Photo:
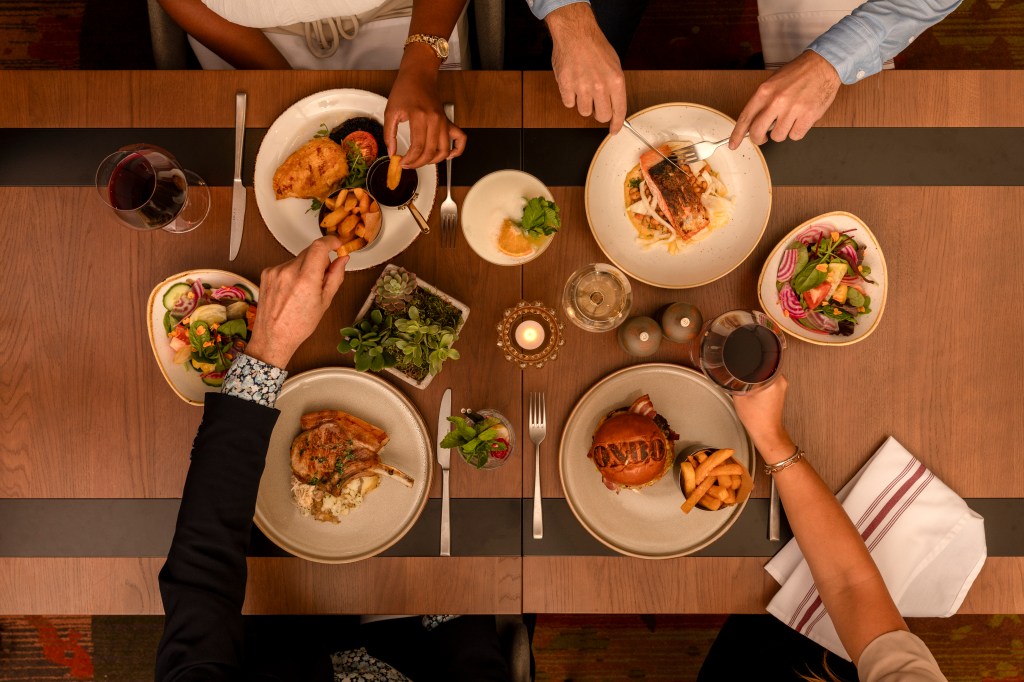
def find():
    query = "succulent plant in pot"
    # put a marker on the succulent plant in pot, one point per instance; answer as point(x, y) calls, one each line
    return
point(370, 340)
point(395, 290)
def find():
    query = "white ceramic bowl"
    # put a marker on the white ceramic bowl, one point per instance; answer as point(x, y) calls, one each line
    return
point(495, 197)
point(873, 257)
point(743, 171)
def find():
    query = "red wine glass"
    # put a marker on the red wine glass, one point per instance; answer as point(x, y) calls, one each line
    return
point(148, 190)
point(741, 351)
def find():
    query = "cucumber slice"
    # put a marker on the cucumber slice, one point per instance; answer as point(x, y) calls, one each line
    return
point(213, 378)
point(172, 295)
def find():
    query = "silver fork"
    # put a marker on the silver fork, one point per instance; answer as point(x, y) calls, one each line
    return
point(692, 153)
point(449, 211)
point(538, 430)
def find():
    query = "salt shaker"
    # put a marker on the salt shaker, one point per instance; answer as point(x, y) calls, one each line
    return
point(640, 336)
point(681, 322)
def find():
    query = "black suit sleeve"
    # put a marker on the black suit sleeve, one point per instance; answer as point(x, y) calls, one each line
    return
point(203, 581)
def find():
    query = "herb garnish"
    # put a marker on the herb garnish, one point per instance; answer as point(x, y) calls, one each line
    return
point(323, 132)
point(356, 167)
point(540, 218)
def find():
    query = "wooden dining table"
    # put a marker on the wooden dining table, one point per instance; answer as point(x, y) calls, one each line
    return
point(94, 445)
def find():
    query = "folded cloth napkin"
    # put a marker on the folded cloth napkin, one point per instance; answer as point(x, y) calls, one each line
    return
point(787, 27)
point(928, 544)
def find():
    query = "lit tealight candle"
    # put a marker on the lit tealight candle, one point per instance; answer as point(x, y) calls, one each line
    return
point(530, 335)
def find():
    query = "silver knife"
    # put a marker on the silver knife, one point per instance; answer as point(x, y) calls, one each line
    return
point(774, 515)
point(237, 189)
point(444, 458)
point(643, 139)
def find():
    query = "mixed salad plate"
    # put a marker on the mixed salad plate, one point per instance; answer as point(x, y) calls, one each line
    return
point(199, 322)
point(825, 282)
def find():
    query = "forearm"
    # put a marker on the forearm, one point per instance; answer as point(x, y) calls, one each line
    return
point(240, 46)
point(203, 581)
point(847, 579)
point(573, 22)
point(877, 31)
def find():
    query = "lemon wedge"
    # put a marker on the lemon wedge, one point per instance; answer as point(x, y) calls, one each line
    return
point(512, 241)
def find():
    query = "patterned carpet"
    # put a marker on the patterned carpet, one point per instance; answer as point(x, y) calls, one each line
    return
point(567, 648)
point(674, 34)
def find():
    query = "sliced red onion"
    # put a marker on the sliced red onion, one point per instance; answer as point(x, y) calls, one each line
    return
point(790, 302)
point(228, 294)
point(184, 306)
point(787, 266)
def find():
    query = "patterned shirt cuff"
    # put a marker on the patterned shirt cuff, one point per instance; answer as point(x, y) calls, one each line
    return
point(254, 380)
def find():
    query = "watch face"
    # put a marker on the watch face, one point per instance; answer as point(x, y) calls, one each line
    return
point(442, 47)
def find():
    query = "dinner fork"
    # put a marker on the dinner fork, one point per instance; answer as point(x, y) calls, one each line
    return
point(449, 211)
point(692, 153)
point(538, 430)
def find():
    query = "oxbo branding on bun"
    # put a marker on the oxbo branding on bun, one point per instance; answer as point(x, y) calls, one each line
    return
point(633, 447)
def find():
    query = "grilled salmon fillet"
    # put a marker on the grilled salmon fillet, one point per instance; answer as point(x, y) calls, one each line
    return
point(312, 171)
point(677, 193)
point(336, 447)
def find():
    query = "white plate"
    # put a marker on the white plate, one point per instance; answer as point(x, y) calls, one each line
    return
point(873, 258)
point(493, 198)
point(184, 382)
point(649, 524)
point(743, 171)
point(387, 513)
point(288, 219)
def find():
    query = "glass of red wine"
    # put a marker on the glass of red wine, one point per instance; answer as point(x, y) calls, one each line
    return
point(148, 190)
point(741, 351)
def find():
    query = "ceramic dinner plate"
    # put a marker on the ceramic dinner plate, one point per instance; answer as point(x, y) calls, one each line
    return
point(387, 513)
point(649, 524)
point(743, 171)
point(495, 197)
point(289, 219)
point(186, 384)
point(873, 257)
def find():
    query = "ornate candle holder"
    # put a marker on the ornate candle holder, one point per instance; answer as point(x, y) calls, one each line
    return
point(530, 335)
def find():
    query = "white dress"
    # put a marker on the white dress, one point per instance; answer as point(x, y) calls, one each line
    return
point(329, 34)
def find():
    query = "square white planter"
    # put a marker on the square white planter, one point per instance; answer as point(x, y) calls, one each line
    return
point(432, 289)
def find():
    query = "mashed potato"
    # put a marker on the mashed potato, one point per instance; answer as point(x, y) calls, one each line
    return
point(323, 506)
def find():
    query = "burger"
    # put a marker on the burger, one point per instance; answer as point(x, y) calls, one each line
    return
point(633, 447)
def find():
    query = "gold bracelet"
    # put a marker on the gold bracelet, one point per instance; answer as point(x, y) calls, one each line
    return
point(772, 469)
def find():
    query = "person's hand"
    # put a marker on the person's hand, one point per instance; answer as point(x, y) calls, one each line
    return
point(761, 414)
point(586, 67)
point(794, 98)
point(293, 297)
point(414, 99)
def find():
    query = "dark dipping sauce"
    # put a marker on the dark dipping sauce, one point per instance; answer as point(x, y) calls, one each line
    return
point(377, 184)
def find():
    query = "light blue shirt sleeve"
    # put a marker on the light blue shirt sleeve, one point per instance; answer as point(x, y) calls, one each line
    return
point(877, 31)
point(542, 8)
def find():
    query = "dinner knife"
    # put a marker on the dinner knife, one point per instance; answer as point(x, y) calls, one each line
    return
point(444, 458)
point(630, 128)
point(773, 514)
point(237, 189)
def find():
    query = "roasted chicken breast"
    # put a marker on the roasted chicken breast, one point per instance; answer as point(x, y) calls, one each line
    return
point(312, 171)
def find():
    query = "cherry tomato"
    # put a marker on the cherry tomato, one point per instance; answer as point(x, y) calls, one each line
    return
point(367, 145)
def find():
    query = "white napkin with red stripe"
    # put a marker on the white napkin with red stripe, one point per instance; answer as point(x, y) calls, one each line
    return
point(928, 544)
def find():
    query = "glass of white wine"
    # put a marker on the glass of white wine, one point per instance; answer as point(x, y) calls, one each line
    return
point(597, 297)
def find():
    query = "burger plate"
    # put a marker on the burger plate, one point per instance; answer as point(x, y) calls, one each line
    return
point(648, 523)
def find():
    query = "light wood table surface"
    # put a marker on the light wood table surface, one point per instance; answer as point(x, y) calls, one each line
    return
point(86, 413)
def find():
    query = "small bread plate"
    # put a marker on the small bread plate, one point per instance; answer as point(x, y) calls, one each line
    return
point(387, 513)
point(735, 204)
point(649, 523)
point(186, 383)
point(495, 198)
point(842, 300)
point(290, 220)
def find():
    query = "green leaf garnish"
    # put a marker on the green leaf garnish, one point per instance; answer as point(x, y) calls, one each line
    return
point(540, 218)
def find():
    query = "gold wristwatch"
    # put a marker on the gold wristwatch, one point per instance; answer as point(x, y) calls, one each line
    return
point(436, 43)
